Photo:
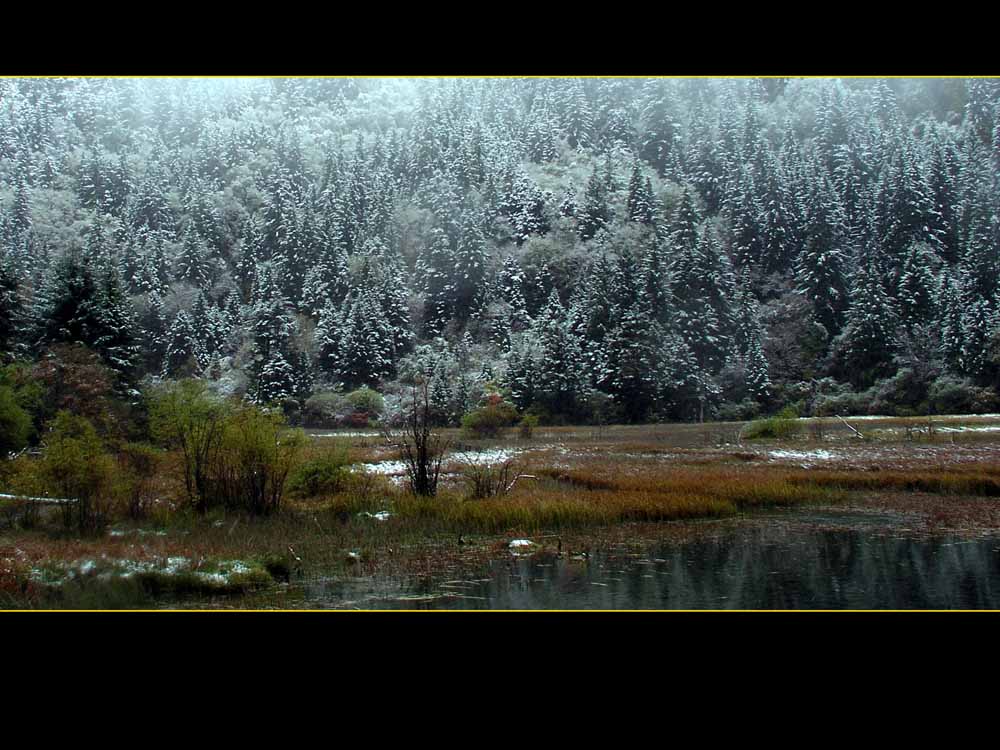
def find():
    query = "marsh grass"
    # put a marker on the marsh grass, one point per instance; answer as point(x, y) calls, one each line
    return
point(980, 482)
point(580, 497)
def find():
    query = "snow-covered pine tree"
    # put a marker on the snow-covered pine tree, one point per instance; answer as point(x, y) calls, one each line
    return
point(864, 350)
point(469, 269)
point(184, 356)
point(192, 264)
point(631, 363)
point(640, 203)
point(510, 284)
point(820, 266)
point(561, 379)
point(522, 364)
point(979, 324)
point(277, 381)
point(951, 307)
point(915, 291)
point(435, 267)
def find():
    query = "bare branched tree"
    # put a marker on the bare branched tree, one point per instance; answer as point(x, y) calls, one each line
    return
point(421, 449)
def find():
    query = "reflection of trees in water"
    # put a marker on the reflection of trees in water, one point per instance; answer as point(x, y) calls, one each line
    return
point(769, 568)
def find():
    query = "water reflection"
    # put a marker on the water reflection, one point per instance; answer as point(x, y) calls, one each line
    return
point(742, 567)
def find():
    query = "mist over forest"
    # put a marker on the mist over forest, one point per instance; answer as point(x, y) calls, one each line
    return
point(587, 250)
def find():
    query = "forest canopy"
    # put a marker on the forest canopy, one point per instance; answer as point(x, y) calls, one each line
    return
point(594, 250)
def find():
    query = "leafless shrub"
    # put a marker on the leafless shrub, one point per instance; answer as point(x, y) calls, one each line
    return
point(421, 449)
point(488, 478)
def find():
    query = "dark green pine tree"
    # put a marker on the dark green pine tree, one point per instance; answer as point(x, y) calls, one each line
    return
point(655, 282)
point(206, 325)
point(982, 96)
point(362, 349)
point(12, 310)
point(942, 180)
point(777, 221)
point(745, 309)
point(755, 368)
point(523, 363)
point(683, 230)
point(595, 308)
point(67, 309)
point(391, 295)
point(594, 214)
point(832, 123)
point(744, 213)
point(435, 267)
point(117, 343)
point(631, 362)
point(577, 115)
point(511, 289)
point(916, 288)
point(640, 204)
point(328, 279)
point(469, 269)
point(951, 311)
point(703, 286)
point(152, 327)
point(980, 262)
point(271, 324)
point(979, 323)
point(328, 336)
point(908, 207)
point(21, 215)
point(659, 131)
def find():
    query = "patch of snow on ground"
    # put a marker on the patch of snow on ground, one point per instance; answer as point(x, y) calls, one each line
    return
point(521, 543)
point(86, 566)
point(483, 457)
point(383, 467)
point(821, 454)
point(382, 515)
point(345, 434)
point(987, 428)
point(398, 468)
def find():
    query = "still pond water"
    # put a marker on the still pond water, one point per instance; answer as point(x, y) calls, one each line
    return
point(811, 563)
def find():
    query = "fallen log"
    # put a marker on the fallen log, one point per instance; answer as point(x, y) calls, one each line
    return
point(519, 476)
point(856, 432)
point(43, 500)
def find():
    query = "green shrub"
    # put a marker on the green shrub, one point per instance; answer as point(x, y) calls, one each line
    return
point(366, 401)
point(952, 395)
point(15, 423)
point(782, 425)
point(137, 463)
point(74, 466)
point(325, 409)
point(738, 412)
point(489, 421)
point(249, 469)
point(235, 456)
point(325, 475)
point(185, 416)
point(898, 395)
point(527, 425)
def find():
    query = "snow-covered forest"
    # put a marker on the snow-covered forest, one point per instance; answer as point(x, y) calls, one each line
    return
point(591, 250)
